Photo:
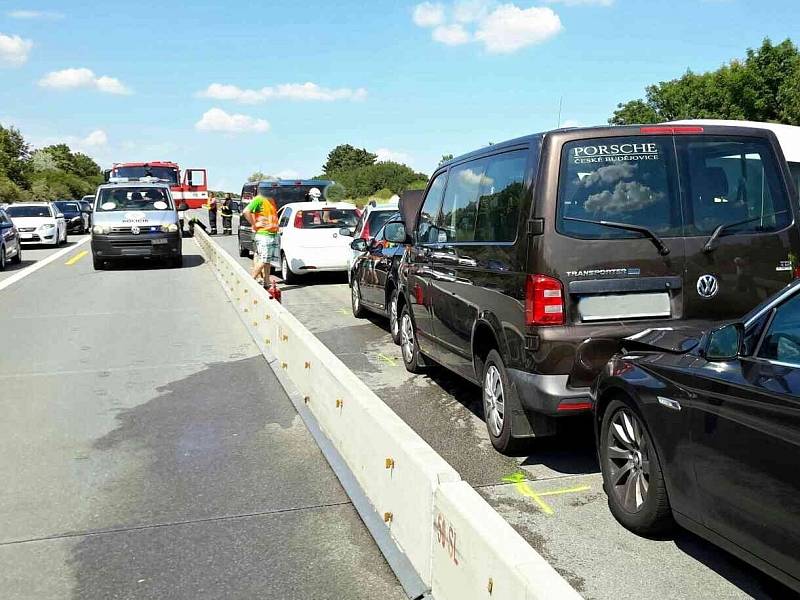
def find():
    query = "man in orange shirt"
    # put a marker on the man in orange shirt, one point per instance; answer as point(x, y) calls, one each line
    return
point(263, 218)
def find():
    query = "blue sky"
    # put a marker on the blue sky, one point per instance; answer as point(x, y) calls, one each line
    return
point(135, 81)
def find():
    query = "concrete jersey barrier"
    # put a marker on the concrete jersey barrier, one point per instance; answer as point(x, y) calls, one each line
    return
point(459, 546)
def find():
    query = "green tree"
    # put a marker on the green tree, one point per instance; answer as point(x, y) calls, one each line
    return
point(15, 156)
point(345, 157)
point(367, 180)
point(260, 176)
point(764, 86)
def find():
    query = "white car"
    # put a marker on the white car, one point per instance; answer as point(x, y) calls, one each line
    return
point(38, 223)
point(310, 237)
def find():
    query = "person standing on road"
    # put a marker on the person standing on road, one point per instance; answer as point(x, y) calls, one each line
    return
point(212, 213)
point(226, 211)
point(263, 218)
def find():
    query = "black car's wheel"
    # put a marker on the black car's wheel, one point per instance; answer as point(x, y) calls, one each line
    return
point(412, 357)
point(99, 263)
point(243, 252)
point(498, 399)
point(176, 262)
point(355, 300)
point(2, 258)
point(632, 476)
point(18, 256)
point(394, 317)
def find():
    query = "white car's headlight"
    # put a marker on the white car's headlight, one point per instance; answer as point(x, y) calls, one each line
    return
point(48, 226)
point(169, 228)
point(101, 229)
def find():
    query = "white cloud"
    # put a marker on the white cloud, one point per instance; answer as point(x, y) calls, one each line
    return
point(501, 28)
point(469, 11)
point(287, 174)
point(582, 2)
point(451, 35)
point(34, 14)
point(70, 79)
point(217, 119)
point(571, 123)
point(509, 28)
point(287, 91)
point(428, 14)
point(96, 138)
point(385, 154)
point(14, 50)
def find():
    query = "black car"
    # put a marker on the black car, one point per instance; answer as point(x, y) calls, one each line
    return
point(245, 234)
point(75, 215)
point(374, 276)
point(531, 259)
point(703, 428)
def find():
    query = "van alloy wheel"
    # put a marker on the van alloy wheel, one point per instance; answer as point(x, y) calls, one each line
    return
point(628, 455)
point(494, 401)
point(354, 292)
point(407, 338)
point(394, 325)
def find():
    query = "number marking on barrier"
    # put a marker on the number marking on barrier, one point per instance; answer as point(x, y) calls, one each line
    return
point(447, 537)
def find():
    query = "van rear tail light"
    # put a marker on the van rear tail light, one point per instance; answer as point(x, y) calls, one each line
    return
point(298, 220)
point(671, 129)
point(544, 301)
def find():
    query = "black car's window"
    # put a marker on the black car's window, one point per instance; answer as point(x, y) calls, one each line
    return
point(284, 220)
point(795, 169)
point(627, 180)
point(460, 206)
point(427, 232)
point(500, 196)
point(377, 218)
point(3, 218)
point(782, 340)
point(728, 180)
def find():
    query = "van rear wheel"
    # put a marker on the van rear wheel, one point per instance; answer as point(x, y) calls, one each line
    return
point(412, 357)
point(499, 396)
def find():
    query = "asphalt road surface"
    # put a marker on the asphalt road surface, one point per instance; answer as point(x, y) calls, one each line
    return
point(552, 496)
point(149, 452)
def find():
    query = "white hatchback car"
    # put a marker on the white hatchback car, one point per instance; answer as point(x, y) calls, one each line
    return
point(310, 238)
point(38, 223)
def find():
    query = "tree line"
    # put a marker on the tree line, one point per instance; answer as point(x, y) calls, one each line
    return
point(49, 173)
point(764, 86)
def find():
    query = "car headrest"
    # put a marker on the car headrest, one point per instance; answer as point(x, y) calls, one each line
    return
point(712, 183)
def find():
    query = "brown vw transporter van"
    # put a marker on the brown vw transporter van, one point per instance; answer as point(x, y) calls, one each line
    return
point(530, 260)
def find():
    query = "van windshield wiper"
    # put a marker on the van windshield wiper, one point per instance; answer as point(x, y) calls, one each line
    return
point(711, 244)
point(648, 233)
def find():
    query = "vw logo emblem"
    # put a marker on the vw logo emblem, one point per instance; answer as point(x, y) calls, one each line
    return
point(135, 230)
point(707, 286)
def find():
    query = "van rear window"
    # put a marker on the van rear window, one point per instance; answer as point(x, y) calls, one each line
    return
point(687, 185)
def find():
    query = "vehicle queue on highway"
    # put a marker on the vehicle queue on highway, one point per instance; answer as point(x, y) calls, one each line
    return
point(641, 277)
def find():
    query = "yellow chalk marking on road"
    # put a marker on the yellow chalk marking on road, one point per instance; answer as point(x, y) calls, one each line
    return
point(580, 488)
point(343, 311)
point(76, 258)
point(392, 362)
point(518, 479)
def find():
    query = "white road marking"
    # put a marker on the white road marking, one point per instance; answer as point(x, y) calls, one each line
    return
point(38, 265)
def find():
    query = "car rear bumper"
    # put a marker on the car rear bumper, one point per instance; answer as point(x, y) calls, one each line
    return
point(550, 394)
point(319, 259)
point(132, 246)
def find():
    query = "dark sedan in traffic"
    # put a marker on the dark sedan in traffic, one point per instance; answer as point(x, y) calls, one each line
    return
point(702, 428)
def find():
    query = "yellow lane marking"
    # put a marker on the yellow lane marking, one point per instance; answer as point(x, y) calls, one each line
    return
point(77, 257)
point(343, 311)
point(521, 485)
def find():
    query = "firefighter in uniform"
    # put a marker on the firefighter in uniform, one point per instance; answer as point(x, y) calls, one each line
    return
point(212, 214)
point(226, 210)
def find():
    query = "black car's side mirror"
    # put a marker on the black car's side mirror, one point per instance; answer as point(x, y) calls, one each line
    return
point(346, 231)
point(724, 343)
point(359, 245)
point(183, 206)
point(396, 233)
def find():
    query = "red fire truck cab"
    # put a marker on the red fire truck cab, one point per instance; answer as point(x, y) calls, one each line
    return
point(192, 188)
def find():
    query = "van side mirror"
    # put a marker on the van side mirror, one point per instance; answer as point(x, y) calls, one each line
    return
point(724, 343)
point(359, 245)
point(396, 233)
point(346, 231)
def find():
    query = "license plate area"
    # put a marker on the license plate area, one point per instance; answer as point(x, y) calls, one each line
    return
point(158, 241)
point(606, 307)
point(26, 236)
point(135, 251)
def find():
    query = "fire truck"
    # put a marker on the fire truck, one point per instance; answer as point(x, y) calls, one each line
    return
point(192, 188)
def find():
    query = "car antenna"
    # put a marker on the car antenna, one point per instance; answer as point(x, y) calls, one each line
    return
point(560, 106)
